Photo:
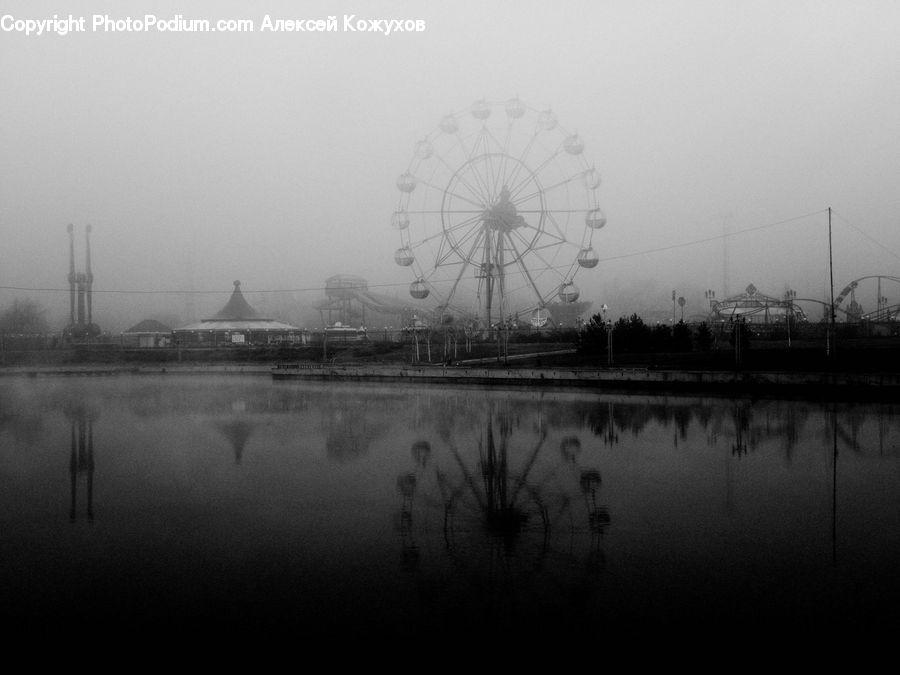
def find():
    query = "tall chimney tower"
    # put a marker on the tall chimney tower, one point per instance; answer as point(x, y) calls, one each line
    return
point(88, 274)
point(71, 274)
point(81, 292)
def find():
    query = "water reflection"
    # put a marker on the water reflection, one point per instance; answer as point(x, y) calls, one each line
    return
point(237, 428)
point(491, 517)
point(81, 457)
point(442, 509)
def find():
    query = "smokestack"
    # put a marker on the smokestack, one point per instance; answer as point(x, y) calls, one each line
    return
point(71, 274)
point(89, 275)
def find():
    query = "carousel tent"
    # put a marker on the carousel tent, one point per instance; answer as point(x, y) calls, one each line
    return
point(238, 323)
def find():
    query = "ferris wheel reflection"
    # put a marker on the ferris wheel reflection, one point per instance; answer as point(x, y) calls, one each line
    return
point(509, 509)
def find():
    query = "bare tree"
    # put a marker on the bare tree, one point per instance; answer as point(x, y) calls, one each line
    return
point(24, 317)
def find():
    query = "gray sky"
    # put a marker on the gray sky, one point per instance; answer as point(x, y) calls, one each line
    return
point(272, 157)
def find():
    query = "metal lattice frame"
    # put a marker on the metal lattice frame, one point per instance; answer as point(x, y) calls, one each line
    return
point(497, 212)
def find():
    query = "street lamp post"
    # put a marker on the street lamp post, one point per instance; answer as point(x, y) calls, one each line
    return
point(609, 343)
point(608, 323)
point(737, 324)
point(789, 296)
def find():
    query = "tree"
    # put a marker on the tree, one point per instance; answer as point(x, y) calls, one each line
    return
point(681, 338)
point(631, 335)
point(704, 337)
point(24, 317)
point(592, 339)
point(661, 338)
point(740, 333)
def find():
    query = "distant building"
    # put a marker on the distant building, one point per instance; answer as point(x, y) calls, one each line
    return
point(758, 308)
point(148, 333)
point(237, 323)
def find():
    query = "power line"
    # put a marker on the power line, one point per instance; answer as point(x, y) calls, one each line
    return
point(867, 236)
point(313, 289)
point(310, 289)
point(709, 239)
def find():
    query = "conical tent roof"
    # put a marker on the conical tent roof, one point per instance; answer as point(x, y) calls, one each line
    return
point(237, 308)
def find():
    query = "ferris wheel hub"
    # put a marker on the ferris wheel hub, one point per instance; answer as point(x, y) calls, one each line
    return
point(503, 215)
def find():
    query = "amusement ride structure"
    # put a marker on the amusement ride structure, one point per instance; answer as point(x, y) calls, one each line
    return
point(497, 212)
point(348, 298)
point(757, 307)
point(884, 309)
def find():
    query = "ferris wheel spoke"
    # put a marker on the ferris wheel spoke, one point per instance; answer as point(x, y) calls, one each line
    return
point(532, 243)
point(534, 249)
point(475, 189)
point(513, 191)
point(536, 193)
point(462, 269)
point(470, 155)
point(539, 231)
point(521, 264)
point(498, 173)
point(439, 212)
point(500, 147)
point(449, 236)
point(504, 150)
point(475, 183)
point(520, 161)
point(467, 224)
point(485, 192)
point(492, 177)
point(482, 178)
point(454, 194)
point(424, 240)
point(552, 218)
point(474, 233)
point(456, 173)
point(550, 244)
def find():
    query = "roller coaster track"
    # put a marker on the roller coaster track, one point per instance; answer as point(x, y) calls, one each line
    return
point(883, 313)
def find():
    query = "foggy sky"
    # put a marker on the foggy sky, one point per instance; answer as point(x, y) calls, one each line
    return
point(271, 158)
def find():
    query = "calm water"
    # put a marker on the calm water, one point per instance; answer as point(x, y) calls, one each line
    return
point(237, 501)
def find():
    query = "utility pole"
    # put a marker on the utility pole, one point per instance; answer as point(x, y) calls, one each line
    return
point(789, 296)
point(830, 345)
point(609, 343)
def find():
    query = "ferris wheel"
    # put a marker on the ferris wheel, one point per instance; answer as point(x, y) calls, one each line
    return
point(497, 212)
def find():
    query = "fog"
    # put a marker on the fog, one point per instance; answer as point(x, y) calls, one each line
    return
point(723, 131)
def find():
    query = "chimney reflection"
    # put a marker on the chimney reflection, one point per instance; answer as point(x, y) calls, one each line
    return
point(81, 459)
